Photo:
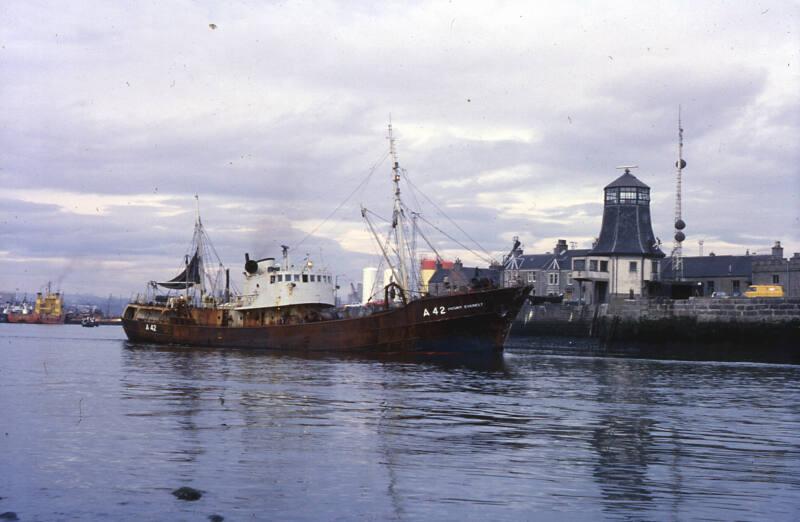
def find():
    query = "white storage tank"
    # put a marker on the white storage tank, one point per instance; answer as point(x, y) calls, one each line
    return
point(369, 275)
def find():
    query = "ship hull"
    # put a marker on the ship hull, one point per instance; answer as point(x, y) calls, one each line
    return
point(34, 318)
point(469, 322)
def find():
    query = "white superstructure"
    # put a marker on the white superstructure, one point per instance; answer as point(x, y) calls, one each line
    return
point(268, 284)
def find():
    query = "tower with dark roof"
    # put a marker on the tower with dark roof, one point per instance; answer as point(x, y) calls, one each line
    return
point(626, 256)
point(626, 228)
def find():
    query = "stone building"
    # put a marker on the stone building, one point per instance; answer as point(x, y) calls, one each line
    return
point(550, 274)
point(717, 275)
point(779, 271)
point(730, 275)
point(626, 257)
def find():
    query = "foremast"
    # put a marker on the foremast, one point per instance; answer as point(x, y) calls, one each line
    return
point(398, 218)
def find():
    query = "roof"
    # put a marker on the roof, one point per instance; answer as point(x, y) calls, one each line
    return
point(627, 230)
point(543, 261)
point(464, 276)
point(715, 266)
point(627, 180)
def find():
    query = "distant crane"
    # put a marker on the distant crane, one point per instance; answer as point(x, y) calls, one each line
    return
point(677, 248)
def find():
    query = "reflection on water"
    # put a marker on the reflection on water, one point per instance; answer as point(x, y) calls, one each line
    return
point(517, 436)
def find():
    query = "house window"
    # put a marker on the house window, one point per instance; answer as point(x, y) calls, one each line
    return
point(709, 287)
point(569, 278)
point(552, 278)
point(776, 279)
point(579, 264)
point(531, 277)
point(593, 265)
point(604, 266)
point(633, 266)
point(654, 269)
point(735, 283)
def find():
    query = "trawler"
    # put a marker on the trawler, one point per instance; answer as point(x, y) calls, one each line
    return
point(287, 306)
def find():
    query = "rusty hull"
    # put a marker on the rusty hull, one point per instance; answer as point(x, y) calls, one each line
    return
point(469, 322)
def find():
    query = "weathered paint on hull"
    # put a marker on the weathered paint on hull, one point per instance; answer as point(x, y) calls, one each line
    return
point(470, 322)
point(34, 318)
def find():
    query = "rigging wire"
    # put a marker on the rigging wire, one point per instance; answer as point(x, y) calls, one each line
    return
point(343, 203)
point(488, 255)
point(451, 238)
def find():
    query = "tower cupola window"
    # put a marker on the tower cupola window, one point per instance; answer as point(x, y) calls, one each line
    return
point(627, 195)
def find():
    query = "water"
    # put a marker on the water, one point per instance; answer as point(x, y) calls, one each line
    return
point(94, 428)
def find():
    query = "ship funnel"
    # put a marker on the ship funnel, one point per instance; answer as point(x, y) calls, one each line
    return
point(250, 266)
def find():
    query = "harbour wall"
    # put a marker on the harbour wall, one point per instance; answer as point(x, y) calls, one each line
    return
point(739, 325)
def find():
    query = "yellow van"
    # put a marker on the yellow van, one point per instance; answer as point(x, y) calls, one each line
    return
point(764, 291)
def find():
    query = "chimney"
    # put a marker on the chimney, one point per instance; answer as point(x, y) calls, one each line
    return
point(561, 247)
point(458, 265)
point(777, 250)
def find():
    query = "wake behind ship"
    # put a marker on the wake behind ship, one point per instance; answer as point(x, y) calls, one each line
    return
point(284, 306)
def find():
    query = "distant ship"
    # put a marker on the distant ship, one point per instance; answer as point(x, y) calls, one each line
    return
point(285, 306)
point(47, 309)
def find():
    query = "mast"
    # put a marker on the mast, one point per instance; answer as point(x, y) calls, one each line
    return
point(198, 231)
point(398, 217)
point(677, 248)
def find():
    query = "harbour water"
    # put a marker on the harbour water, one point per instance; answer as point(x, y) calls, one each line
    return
point(95, 428)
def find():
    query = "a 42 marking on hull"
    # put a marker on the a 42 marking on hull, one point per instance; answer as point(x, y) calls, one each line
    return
point(442, 310)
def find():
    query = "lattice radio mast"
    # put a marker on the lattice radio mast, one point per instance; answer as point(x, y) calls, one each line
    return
point(677, 248)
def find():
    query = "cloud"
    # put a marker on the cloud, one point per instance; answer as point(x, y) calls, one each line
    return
point(512, 118)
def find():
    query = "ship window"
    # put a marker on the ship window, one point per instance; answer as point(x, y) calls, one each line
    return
point(644, 195)
point(627, 195)
point(611, 195)
point(272, 279)
point(280, 278)
point(305, 278)
point(297, 277)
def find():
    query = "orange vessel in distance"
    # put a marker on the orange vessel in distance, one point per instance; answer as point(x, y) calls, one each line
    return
point(48, 309)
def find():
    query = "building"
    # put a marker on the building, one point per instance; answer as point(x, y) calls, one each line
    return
point(779, 271)
point(626, 257)
point(549, 274)
point(717, 275)
point(459, 278)
point(730, 275)
point(428, 267)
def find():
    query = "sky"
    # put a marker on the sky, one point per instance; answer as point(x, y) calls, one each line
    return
point(510, 117)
